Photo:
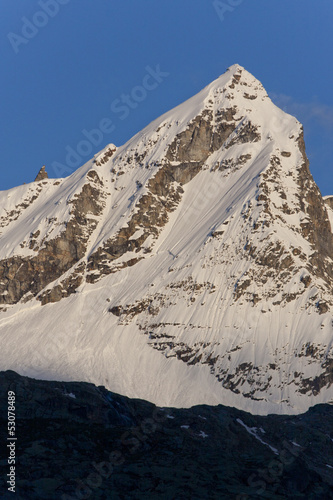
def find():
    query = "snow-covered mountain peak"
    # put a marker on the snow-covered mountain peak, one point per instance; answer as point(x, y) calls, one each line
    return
point(201, 248)
point(235, 99)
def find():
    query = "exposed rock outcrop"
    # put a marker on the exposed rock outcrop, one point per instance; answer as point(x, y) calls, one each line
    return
point(183, 160)
point(42, 175)
point(26, 276)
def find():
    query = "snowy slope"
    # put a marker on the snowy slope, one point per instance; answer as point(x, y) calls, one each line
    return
point(191, 265)
point(329, 207)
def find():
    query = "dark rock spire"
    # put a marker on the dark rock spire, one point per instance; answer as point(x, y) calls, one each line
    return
point(42, 174)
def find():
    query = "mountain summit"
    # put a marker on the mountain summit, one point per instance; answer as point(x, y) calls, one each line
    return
point(194, 264)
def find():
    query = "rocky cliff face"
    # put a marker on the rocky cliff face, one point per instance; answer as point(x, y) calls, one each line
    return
point(24, 277)
point(206, 246)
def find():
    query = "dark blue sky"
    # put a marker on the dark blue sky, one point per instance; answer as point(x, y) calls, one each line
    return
point(61, 78)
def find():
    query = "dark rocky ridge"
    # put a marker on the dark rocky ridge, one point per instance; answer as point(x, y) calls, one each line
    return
point(76, 440)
